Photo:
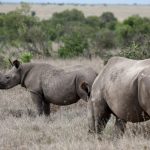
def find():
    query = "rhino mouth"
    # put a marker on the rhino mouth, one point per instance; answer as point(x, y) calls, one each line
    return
point(3, 85)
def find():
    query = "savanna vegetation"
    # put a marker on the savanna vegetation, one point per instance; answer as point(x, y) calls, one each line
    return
point(66, 35)
point(69, 34)
point(66, 128)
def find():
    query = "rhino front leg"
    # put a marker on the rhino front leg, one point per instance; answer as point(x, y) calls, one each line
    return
point(38, 101)
point(120, 126)
point(101, 115)
point(46, 108)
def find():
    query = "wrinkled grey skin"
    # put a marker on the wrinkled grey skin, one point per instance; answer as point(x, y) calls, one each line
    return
point(48, 84)
point(122, 89)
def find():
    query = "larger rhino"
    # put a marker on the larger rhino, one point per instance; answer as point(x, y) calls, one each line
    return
point(122, 89)
point(48, 84)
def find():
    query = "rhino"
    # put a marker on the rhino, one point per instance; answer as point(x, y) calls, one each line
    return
point(122, 88)
point(48, 84)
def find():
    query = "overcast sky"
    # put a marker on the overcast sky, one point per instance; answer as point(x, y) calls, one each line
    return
point(83, 1)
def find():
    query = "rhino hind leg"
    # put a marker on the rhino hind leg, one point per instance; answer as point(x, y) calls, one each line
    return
point(101, 123)
point(46, 108)
point(120, 126)
point(102, 115)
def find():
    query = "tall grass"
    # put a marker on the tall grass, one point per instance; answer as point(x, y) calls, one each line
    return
point(65, 129)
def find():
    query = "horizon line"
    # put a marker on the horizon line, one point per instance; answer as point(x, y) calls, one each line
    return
point(64, 3)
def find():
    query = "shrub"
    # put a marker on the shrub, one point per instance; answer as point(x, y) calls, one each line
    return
point(108, 20)
point(74, 45)
point(61, 23)
point(124, 35)
point(138, 51)
point(46, 26)
point(105, 39)
point(92, 21)
point(68, 15)
point(26, 57)
point(21, 29)
point(33, 13)
point(37, 41)
point(131, 29)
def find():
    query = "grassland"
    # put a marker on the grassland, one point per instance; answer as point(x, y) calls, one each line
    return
point(45, 11)
point(65, 129)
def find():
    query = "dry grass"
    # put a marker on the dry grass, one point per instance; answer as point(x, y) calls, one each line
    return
point(65, 129)
point(120, 11)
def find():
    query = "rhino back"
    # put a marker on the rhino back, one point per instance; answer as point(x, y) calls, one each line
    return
point(34, 72)
point(86, 74)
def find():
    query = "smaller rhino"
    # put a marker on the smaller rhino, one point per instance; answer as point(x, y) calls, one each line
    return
point(48, 84)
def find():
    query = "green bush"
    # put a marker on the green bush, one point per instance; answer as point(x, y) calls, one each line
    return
point(74, 45)
point(26, 57)
point(138, 51)
point(68, 15)
point(105, 39)
point(132, 29)
point(15, 24)
point(61, 23)
point(124, 35)
point(47, 27)
point(92, 21)
point(108, 20)
point(33, 13)
point(75, 33)
point(36, 40)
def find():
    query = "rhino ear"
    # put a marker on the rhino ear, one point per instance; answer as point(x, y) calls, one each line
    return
point(16, 63)
point(85, 87)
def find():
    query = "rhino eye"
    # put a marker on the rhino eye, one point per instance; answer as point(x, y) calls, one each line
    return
point(7, 77)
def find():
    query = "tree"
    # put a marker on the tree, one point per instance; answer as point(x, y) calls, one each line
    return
point(133, 29)
point(74, 45)
point(138, 51)
point(68, 15)
point(108, 20)
point(37, 41)
point(104, 40)
point(92, 21)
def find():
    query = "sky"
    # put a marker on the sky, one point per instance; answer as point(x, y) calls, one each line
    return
point(82, 1)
